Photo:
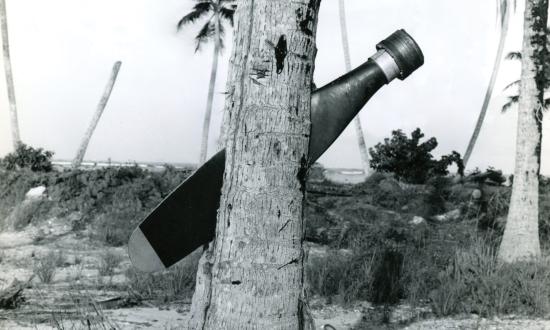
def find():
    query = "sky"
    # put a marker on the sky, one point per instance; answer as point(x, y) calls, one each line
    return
point(63, 50)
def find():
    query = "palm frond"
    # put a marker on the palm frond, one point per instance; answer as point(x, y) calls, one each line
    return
point(205, 34)
point(512, 100)
point(228, 14)
point(513, 56)
point(512, 85)
point(199, 10)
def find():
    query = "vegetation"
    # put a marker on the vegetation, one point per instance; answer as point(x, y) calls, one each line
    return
point(172, 284)
point(27, 157)
point(410, 160)
point(108, 263)
point(46, 267)
point(111, 200)
point(449, 266)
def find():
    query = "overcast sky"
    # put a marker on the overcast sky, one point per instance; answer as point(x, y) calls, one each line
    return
point(63, 51)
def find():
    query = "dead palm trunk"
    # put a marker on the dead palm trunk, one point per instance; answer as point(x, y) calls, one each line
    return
point(521, 235)
point(491, 87)
point(357, 120)
point(252, 275)
point(97, 115)
point(16, 138)
point(209, 102)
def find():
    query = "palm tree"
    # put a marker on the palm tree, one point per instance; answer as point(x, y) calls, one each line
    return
point(97, 115)
point(347, 59)
point(252, 275)
point(219, 11)
point(503, 11)
point(521, 234)
point(16, 139)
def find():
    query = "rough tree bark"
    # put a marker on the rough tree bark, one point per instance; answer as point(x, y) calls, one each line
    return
point(347, 58)
point(252, 275)
point(521, 235)
point(97, 115)
point(16, 138)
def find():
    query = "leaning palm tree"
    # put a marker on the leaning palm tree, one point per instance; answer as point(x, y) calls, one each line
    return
point(503, 11)
point(347, 59)
point(97, 115)
point(219, 11)
point(521, 235)
point(9, 76)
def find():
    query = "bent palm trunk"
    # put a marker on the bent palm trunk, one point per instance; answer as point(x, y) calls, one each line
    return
point(490, 87)
point(16, 138)
point(521, 235)
point(357, 121)
point(99, 111)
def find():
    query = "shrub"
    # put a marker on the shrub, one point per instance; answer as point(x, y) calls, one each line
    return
point(343, 278)
point(24, 156)
point(45, 268)
point(386, 286)
point(437, 195)
point(115, 225)
point(491, 175)
point(108, 263)
point(410, 160)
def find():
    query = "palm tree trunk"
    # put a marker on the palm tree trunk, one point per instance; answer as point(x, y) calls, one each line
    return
point(347, 59)
point(490, 87)
point(99, 111)
point(521, 235)
point(209, 102)
point(254, 276)
point(16, 138)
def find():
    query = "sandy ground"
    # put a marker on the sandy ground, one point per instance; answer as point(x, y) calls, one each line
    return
point(57, 305)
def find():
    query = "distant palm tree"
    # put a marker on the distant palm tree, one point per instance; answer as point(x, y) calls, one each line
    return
point(16, 138)
point(347, 59)
point(503, 10)
point(213, 29)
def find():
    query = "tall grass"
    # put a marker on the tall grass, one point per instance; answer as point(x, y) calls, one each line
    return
point(475, 282)
point(46, 267)
point(176, 283)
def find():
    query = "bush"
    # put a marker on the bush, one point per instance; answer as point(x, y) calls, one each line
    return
point(386, 285)
point(108, 263)
point(491, 175)
point(342, 278)
point(38, 160)
point(46, 267)
point(410, 160)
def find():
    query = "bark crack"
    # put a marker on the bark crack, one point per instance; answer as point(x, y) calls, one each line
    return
point(293, 261)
